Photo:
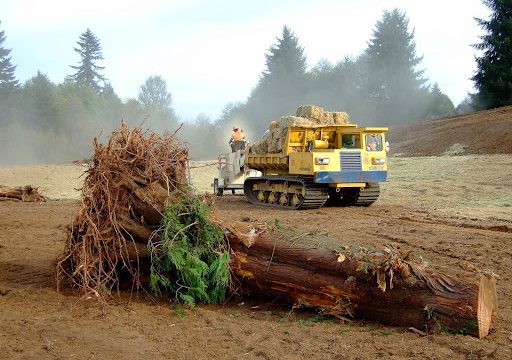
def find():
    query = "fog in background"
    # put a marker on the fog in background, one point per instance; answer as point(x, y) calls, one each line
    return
point(46, 122)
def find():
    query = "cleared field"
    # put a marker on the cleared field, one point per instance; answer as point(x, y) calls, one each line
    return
point(454, 211)
point(472, 186)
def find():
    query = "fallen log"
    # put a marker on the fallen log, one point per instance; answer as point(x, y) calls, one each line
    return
point(388, 286)
point(25, 193)
point(383, 286)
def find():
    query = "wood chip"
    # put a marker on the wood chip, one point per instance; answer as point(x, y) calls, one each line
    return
point(419, 332)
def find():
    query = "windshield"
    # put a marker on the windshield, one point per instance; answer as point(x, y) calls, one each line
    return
point(373, 142)
point(350, 141)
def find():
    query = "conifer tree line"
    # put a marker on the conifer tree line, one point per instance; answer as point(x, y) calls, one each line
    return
point(385, 85)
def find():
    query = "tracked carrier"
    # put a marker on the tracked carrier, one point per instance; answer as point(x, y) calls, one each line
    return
point(340, 165)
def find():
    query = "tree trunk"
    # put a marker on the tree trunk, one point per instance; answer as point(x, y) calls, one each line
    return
point(385, 287)
point(25, 193)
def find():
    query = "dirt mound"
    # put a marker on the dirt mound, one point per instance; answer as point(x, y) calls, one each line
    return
point(483, 132)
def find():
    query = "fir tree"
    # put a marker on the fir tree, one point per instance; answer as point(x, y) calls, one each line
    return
point(440, 103)
point(88, 72)
point(40, 97)
point(493, 79)
point(393, 82)
point(285, 60)
point(281, 87)
point(8, 81)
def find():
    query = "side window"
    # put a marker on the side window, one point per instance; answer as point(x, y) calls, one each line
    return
point(373, 142)
point(350, 141)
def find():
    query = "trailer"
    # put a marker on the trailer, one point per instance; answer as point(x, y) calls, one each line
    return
point(232, 173)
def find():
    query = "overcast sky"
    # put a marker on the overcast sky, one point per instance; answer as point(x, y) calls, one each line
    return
point(211, 52)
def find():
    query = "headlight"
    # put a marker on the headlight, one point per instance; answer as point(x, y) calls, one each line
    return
point(322, 161)
point(378, 161)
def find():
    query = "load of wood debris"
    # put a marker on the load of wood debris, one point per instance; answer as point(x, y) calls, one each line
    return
point(306, 115)
point(140, 226)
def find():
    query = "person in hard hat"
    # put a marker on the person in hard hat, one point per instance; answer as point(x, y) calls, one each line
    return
point(237, 141)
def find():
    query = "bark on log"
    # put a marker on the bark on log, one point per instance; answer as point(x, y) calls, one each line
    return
point(408, 295)
point(148, 199)
point(134, 251)
point(383, 286)
point(139, 232)
point(25, 193)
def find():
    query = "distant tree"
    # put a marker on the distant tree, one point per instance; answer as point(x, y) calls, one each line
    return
point(206, 139)
point(88, 72)
point(337, 87)
point(153, 93)
point(493, 78)
point(465, 106)
point(108, 90)
point(8, 81)
point(394, 87)
point(281, 86)
point(156, 102)
point(41, 98)
point(320, 87)
point(440, 104)
point(285, 61)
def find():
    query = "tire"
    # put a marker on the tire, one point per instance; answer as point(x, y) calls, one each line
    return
point(216, 190)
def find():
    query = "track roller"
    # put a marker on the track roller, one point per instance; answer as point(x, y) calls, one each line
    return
point(285, 192)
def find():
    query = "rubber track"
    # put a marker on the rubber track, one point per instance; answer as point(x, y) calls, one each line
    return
point(315, 195)
point(368, 195)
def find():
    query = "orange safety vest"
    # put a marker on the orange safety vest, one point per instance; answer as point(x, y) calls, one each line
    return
point(237, 136)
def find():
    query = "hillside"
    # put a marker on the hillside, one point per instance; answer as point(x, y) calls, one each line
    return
point(483, 132)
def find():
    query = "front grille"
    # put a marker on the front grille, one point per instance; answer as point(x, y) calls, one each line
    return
point(350, 161)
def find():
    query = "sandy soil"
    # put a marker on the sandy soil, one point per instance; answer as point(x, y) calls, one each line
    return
point(455, 211)
point(483, 132)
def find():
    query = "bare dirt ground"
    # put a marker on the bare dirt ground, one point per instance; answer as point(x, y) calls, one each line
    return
point(454, 211)
point(483, 132)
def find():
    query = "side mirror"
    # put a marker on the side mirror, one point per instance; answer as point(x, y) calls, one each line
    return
point(387, 146)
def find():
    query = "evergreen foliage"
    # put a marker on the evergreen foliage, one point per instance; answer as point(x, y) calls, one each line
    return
point(42, 99)
point(338, 87)
point(156, 103)
point(88, 71)
point(394, 87)
point(280, 88)
point(440, 104)
point(465, 106)
point(493, 78)
point(285, 60)
point(8, 81)
point(382, 86)
point(191, 261)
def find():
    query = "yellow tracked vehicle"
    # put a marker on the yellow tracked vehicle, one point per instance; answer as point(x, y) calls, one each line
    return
point(340, 165)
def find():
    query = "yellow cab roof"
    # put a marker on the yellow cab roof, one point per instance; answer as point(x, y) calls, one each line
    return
point(373, 129)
